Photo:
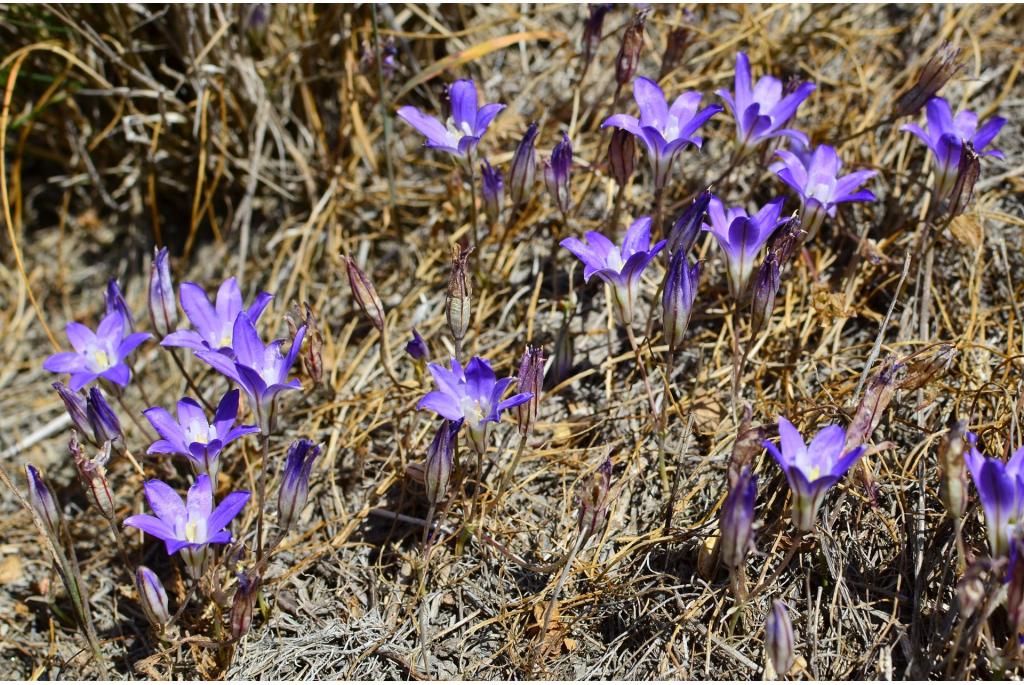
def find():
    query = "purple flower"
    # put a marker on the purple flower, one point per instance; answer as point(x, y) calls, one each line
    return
point(946, 135)
point(189, 526)
point(558, 175)
point(214, 324)
point(464, 128)
point(192, 435)
point(817, 181)
point(115, 303)
point(417, 347)
point(741, 236)
point(97, 355)
point(473, 394)
point(619, 267)
point(664, 130)
point(678, 295)
point(762, 111)
point(104, 422)
point(295, 481)
point(1001, 490)
point(492, 190)
point(811, 469)
point(261, 370)
point(163, 312)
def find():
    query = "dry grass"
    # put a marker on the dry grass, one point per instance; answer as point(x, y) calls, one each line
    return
point(261, 152)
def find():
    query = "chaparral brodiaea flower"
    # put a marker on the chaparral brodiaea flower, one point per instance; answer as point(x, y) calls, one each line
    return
point(817, 181)
point(214, 324)
point(664, 130)
point(619, 267)
point(261, 370)
point(741, 237)
point(464, 128)
point(97, 355)
point(1001, 490)
point(946, 135)
point(473, 394)
point(761, 111)
point(192, 435)
point(811, 469)
point(188, 527)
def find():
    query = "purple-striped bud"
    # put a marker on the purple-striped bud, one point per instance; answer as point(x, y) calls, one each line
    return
point(523, 169)
point(242, 605)
point(622, 156)
point(458, 300)
point(93, 475)
point(417, 347)
point(104, 422)
point(592, 29)
point(163, 310)
point(115, 303)
point(76, 407)
point(437, 468)
point(595, 498)
point(152, 598)
point(629, 52)
point(365, 294)
point(678, 295)
point(736, 524)
point(778, 638)
point(687, 227)
point(766, 286)
point(492, 190)
point(530, 379)
point(558, 175)
point(41, 498)
point(295, 481)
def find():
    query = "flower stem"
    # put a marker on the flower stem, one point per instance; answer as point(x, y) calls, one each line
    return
point(188, 379)
point(577, 546)
point(643, 369)
point(262, 493)
point(472, 203)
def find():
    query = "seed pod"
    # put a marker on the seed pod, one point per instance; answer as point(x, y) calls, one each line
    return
point(41, 498)
point(104, 422)
point(967, 174)
point(437, 469)
point(952, 467)
point(365, 294)
point(163, 310)
point(622, 156)
point(592, 31)
point(152, 598)
point(922, 369)
point(492, 187)
point(736, 523)
point(778, 638)
point(766, 286)
point(787, 240)
point(558, 175)
point(242, 605)
point(312, 356)
point(935, 74)
point(295, 481)
point(458, 301)
point(93, 475)
point(675, 44)
point(678, 295)
point(595, 498)
point(749, 443)
point(629, 52)
point(1015, 585)
point(530, 379)
point(523, 169)
point(687, 227)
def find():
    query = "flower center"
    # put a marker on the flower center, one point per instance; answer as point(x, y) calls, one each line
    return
point(198, 431)
point(473, 410)
point(614, 260)
point(671, 129)
point(192, 531)
point(814, 474)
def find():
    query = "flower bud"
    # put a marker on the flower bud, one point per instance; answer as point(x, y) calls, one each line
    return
point(766, 286)
point(163, 310)
point(242, 605)
point(115, 303)
point(952, 467)
point(736, 523)
point(437, 469)
point(595, 498)
point(629, 52)
point(104, 422)
point(492, 190)
point(622, 156)
point(530, 379)
point(687, 227)
point(678, 295)
point(41, 498)
point(558, 175)
point(935, 74)
point(153, 598)
point(967, 174)
point(365, 294)
point(417, 347)
point(523, 169)
point(592, 28)
point(675, 44)
point(76, 407)
point(778, 638)
point(93, 475)
point(295, 481)
point(458, 301)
